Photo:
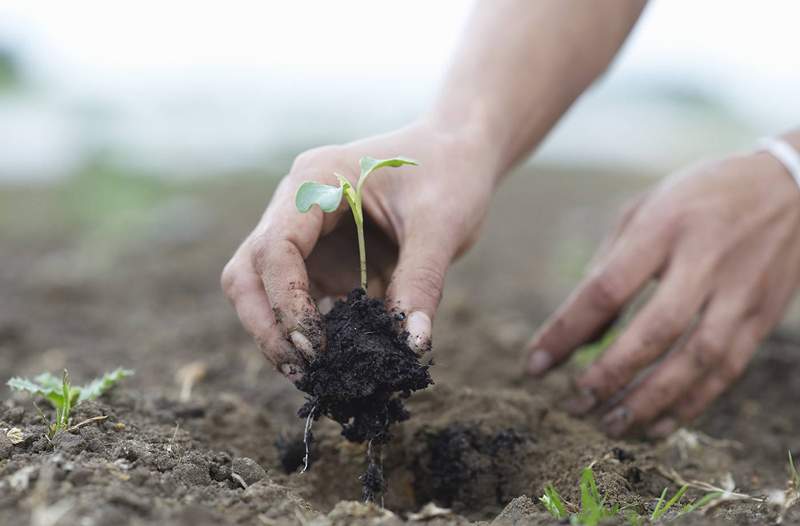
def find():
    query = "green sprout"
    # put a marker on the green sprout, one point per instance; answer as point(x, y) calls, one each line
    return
point(328, 198)
point(63, 396)
point(663, 505)
point(553, 502)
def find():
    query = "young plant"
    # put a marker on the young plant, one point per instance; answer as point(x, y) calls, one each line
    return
point(553, 502)
point(663, 505)
point(63, 396)
point(328, 198)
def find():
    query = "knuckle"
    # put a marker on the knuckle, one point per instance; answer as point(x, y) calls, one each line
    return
point(260, 251)
point(427, 282)
point(227, 279)
point(313, 158)
point(607, 378)
point(707, 351)
point(731, 369)
point(605, 292)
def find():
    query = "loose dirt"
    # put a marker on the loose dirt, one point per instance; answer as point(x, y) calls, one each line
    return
point(480, 444)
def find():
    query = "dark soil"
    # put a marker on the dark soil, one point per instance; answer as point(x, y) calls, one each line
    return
point(367, 370)
point(362, 378)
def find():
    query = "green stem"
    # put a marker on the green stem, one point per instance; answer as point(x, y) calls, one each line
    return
point(362, 253)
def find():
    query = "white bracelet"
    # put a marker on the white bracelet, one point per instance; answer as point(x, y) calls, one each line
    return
point(784, 153)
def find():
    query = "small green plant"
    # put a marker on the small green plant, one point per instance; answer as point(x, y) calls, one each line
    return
point(663, 505)
point(328, 198)
point(63, 396)
point(594, 510)
point(553, 503)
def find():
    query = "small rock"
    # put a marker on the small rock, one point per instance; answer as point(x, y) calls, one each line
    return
point(247, 468)
point(15, 435)
point(193, 471)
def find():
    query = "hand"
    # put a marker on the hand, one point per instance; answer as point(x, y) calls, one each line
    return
point(723, 241)
point(418, 220)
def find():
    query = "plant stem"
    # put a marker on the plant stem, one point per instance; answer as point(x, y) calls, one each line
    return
point(362, 254)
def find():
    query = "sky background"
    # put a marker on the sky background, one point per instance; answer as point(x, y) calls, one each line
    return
point(186, 88)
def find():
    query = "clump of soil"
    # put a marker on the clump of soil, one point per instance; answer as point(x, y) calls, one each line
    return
point(367, 370)
point(364, 375)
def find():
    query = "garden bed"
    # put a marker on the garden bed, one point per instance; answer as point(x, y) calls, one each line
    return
point(206, 432)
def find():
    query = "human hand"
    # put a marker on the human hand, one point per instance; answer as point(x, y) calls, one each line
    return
point(723, 241)
point(418, 220)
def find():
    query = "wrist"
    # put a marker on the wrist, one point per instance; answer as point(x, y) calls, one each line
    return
point(466, 136)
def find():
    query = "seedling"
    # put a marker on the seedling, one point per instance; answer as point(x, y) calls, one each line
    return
point(593, 509)
point(663, 505)
point(553, 502)
point(63, 396)
point(329, 197)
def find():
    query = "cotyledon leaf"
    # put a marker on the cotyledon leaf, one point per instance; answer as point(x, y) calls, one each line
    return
point(325, 196)
point(369, 165)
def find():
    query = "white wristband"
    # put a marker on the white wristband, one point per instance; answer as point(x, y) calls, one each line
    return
point(784, 153)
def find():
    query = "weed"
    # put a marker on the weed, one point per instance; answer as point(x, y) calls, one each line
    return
point(328, 198)
point(663, 505)
point(553, 502)
point(593, 508)
point(63, 396)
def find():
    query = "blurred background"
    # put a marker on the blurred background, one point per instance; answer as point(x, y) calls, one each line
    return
point(140, 141)
point(201, 89)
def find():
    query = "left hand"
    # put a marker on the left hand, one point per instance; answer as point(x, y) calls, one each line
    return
point(723, 240)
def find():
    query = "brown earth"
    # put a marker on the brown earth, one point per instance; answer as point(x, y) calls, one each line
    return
point(95, 275)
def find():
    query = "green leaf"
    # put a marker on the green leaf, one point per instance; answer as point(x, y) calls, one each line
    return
point(49, 381)
point(23, 384)
point(98, 386)
point(553, 502)
point(325, 196)
point(663, 507)
point(369, 165)
point(45, 385)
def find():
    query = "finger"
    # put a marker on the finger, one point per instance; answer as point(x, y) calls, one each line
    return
point(680, 370)
point(632, 261)
point(278, 250)
point(664, 319)
point(417, 283)
point(723, 369)
point(244, 289)
point(724, 373)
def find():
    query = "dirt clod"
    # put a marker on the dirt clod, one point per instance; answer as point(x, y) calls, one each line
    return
point(360, 380)
point(247, 468)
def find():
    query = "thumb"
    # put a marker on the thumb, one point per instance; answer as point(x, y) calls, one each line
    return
point(417, 284)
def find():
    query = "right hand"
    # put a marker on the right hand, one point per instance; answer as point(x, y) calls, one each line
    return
point(418, 219)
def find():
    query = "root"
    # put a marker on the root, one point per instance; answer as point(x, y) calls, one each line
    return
point(307, 437)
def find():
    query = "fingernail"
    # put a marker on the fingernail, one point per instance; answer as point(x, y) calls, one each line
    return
point(539, 362)
point(325, 305)
point(418, 326)
point(662, 428)
point(616, 422)
point(292, 372)
point(582, 403)
point(302, 344)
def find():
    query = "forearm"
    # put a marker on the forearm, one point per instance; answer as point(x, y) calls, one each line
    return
point(522, 63)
